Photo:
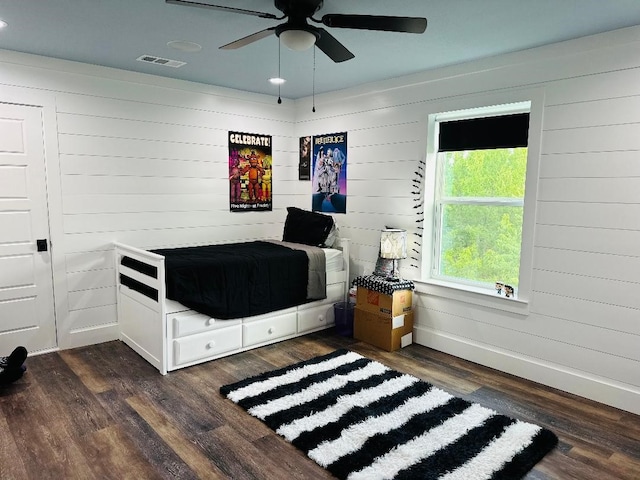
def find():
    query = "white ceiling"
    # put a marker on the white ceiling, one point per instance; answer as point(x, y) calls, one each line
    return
point(114, 33)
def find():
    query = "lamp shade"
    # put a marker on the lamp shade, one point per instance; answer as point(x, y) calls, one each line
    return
point(297, 39)
point(393, 243)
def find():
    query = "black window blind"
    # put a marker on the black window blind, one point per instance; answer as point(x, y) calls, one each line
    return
point(503, 131)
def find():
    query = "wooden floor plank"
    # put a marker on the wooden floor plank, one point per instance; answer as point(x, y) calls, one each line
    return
point(187, 406)
point(82, 369)
point(49, 445)
point(173, 436)
point(103, 412)
point(73, 405)
point(145, 439)
point(11, 462)
point(112, 454)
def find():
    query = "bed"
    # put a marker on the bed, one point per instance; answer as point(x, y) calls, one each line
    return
point(170, 334)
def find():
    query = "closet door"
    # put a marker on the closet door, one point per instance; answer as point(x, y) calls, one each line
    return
point(26, 277)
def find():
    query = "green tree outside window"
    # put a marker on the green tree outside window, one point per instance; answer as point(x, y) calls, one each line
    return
point(481, 214)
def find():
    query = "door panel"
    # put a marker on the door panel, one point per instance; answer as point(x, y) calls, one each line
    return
point(26, 279)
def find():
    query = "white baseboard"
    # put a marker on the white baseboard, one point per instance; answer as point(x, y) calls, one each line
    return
point(579, 383)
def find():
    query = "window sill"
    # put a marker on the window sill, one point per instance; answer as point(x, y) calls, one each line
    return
point(475, 296)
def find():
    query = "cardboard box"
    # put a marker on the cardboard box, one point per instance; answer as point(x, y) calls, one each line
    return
point(383, 331)
point(390, 305)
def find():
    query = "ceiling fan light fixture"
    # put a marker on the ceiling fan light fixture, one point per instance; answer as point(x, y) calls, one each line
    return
point(298, 40)
point(297, 34)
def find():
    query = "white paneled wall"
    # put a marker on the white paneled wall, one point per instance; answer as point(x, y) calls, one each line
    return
point(582, 332)
point(144, 161)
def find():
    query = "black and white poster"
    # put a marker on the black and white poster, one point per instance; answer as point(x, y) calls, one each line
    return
point(329, 180)
point(304, 166)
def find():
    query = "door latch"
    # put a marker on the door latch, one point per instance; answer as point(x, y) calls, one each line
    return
point(42, 245)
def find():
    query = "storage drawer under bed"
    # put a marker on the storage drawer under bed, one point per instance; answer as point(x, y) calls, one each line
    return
point(269, 329)
point(190, 322)
point(206, 345)
point(315, 318)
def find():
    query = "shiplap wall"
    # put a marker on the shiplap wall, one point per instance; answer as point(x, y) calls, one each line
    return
point(582, 333)
point(141, 160)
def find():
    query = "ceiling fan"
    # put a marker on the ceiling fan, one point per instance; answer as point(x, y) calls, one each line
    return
point(297, 34)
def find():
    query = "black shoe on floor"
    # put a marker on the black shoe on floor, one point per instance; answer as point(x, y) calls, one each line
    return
point(13, 366)
point(17, 358)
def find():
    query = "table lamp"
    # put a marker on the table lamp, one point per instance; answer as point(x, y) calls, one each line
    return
point(393, 245)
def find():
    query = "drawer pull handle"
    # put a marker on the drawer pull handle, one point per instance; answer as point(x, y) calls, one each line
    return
point(211, 321)
point(321, 318)
point(270, 331)
point(211, 344)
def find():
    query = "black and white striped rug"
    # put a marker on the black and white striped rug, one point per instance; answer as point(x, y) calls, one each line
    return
point(361, 420)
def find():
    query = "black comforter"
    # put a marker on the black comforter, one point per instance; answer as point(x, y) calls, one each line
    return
point(236, 280)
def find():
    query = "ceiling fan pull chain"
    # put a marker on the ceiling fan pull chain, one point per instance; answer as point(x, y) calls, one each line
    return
point(313, 109)
point(279, 75)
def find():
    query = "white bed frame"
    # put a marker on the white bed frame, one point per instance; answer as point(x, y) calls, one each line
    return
point(171, 336)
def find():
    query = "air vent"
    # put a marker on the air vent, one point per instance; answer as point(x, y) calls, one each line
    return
point(160, 61)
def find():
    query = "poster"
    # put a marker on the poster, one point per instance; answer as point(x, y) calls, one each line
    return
point(250, 167)
point(329, 180)
point(304, 166)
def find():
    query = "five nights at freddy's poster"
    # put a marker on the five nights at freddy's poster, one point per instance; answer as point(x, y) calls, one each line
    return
point(250, 166)
point(329, 178)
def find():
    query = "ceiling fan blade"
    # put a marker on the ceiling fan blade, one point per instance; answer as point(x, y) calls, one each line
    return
point(332, 47)
point(254, 37)
point(376, 22)
point(224, 9)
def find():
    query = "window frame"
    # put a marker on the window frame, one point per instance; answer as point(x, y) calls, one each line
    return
point(500, 103)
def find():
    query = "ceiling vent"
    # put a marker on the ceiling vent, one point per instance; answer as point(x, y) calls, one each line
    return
point(160, 61)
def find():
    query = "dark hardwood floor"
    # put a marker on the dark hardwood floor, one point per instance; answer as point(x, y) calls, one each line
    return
point(102, 412)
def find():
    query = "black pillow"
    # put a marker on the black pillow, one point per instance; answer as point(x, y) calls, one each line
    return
point(309, 228)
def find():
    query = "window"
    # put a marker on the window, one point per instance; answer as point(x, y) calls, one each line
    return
point(475, 211)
